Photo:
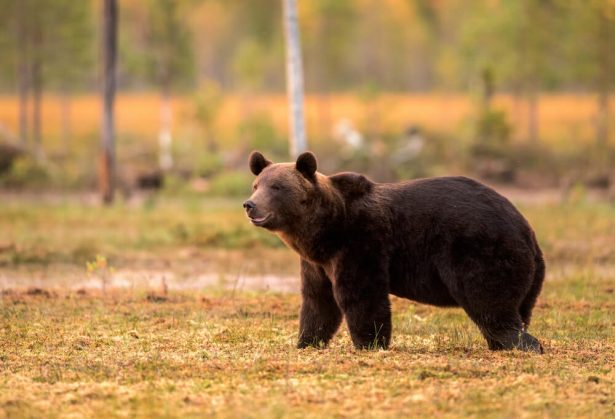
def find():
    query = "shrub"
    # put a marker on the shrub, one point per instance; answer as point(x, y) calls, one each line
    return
point(233, 183)
point(492, 134)
point(260, 134)
point(26, 171)
point(209, 164)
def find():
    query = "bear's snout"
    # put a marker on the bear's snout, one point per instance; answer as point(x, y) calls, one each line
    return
point(249, 205)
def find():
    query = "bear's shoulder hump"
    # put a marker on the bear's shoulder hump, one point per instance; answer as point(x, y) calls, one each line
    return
point(353, 185)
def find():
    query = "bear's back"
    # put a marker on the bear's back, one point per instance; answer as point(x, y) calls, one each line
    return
point(452, 206)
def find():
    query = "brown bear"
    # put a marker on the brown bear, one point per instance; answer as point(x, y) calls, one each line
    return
point(447, 241)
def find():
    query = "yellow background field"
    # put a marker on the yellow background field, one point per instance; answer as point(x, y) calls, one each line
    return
point(565, 119)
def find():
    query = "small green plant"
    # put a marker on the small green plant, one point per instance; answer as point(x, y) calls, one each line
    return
point(99, 267)
point(492, 134)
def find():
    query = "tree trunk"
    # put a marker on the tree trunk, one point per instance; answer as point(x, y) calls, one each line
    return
point(165, 138)
point(23, 72)
point(602, 122)
point(294, 79)
point(107, 158)
point(487, 89)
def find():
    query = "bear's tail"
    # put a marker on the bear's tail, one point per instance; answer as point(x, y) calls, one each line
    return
point(527, 305)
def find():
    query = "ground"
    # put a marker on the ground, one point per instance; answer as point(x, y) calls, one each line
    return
point(152, 347)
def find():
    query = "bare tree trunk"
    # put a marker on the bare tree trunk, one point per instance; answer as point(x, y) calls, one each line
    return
point(107, 159)
point(294, 79)
point(487, 88)
point(165, 138)
point(23, 72)
point(602, 122)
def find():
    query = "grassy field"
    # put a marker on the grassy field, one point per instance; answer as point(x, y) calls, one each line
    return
point(230, 353)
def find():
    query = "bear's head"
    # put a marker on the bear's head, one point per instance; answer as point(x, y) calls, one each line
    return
point(282, 193)
point(309, 211)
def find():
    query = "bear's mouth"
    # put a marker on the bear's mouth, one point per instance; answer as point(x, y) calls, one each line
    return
point(259, 221)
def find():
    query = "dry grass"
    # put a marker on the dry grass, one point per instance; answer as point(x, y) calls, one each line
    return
point(213, 354)
point(223, 353)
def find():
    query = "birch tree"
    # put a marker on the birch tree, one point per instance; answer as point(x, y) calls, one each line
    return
point(294, 79)
point(171, 45)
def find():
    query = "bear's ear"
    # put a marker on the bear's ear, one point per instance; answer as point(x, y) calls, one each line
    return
point(307, 165)
point(258, 162)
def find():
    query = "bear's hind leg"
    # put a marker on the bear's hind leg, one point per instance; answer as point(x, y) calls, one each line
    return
point(320, 316)
point(504, 331)
point(527, 305)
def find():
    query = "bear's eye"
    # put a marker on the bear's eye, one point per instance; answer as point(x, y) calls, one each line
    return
point(254, 187)
point(276, 187)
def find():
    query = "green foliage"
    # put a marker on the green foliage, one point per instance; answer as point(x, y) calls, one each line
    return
point(209, 164)
point(8, 154)
point(159, 48)
point(328, 41)
point(404, 44)
point(259, 133)
point(206, 106)
point(249, 64)
point(57, 34)
point(170, 43)
point(9, 34)
point(588, 44)
point(492, 136)
point(231, 184)
point(518, 40)
point(71, 56)
point(26, 170)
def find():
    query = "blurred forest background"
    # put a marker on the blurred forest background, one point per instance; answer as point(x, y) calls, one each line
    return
point(510, 91)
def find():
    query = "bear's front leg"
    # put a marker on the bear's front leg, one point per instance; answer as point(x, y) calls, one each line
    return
point(320, 316)
point(362, 291)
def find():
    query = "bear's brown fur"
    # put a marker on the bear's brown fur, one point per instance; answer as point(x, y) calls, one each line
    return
point(447, 241)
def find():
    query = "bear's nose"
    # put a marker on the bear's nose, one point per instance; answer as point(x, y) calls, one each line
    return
point(249, 205)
